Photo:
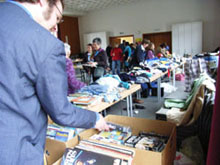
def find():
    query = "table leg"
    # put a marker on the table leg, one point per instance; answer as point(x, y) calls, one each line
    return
point(174, 80)
point(105, 113)
point(183, 68)
point(158, 89)
point(128, 106)
point(138, 94)
point(131, 105)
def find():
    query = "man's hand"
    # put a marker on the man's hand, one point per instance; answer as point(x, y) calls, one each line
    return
point(101, 124)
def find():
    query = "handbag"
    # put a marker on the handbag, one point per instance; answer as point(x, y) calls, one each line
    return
point(99, 72)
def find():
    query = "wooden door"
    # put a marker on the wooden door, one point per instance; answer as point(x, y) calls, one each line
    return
point(114, 40)
point(69, 30)
point(159, 38)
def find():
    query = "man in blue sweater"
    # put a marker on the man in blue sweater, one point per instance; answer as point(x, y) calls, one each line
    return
point(33, 81)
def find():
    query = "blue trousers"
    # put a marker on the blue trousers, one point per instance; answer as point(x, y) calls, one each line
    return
point(116, 64)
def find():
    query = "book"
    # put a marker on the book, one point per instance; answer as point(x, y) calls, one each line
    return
point(74, 95)
point(78, 156)
point(118, 127)
point(151, 141)
point(117, 134)
point(90, 145)
point(84, 100)
point(107, 149)
point(61, 133)
point(132, 141)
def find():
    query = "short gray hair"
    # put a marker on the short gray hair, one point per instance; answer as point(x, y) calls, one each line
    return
point(97, 41)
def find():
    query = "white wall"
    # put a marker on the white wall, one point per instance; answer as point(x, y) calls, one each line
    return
point(149, 16)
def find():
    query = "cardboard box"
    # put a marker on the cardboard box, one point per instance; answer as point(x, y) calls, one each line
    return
point(142, 157)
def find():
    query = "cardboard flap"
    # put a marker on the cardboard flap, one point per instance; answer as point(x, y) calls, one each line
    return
point(143, 124)
point(54, 150)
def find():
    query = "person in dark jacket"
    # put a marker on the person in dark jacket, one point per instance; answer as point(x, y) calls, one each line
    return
point(140, 53)
point(99, 60)
point(87, 58)
point(108, 51)
point(88, 54)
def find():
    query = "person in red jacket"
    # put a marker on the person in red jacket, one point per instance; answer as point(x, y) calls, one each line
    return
point(116, 54)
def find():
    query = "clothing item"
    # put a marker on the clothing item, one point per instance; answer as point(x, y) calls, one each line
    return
point(112, 96)
point(139, 55)
point(183, 104)
point(34, 85)
point(87, 57)
point(174, 103)
point(73, 83)
point(116, 54)
point(142, 80)
point(101, 58)
point(126, 77)
point(116, 66)
point(95, 89)
point(191, 114)
point(127, 51)
point(193, 69)
point(122, 46)
point(110, 81)
point(150, 54)
point(109, 94)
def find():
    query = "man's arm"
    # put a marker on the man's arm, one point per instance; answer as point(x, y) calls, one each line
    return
point(51, 89)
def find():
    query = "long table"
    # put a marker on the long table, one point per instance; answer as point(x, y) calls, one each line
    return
point(157, 77)
point(126, 93)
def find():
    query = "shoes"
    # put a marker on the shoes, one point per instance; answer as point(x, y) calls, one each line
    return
point(125, 109)
point(138, 101)
point(136, 111)
point(139, 107)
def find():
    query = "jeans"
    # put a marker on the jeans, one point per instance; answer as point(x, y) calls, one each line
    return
point(116, 63)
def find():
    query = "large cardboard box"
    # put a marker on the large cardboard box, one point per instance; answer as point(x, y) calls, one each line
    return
point(142, 157)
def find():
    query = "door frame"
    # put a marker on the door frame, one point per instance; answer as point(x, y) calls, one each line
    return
point(115, 37)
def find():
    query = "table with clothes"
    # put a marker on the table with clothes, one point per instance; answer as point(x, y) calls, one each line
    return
point(150, 71)
point(110, 89)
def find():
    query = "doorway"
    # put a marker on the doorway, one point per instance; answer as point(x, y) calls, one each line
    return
point(118, 39)
point(159, 38)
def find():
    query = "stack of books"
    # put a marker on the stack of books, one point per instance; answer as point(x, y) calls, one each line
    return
point(88, 152)
point(117, 134)
point(83, 100)
point(148, 141)
point(57, 132)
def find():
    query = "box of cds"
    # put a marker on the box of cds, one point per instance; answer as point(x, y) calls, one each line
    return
point(130, 140)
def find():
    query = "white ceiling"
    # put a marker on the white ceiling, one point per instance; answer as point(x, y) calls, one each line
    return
point(81, 7)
